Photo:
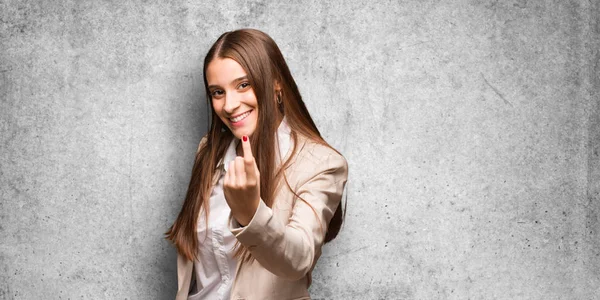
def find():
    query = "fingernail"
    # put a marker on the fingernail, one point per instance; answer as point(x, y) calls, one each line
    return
point(245, 138)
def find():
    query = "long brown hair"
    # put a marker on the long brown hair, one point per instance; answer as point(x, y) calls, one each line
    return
point(262, 60)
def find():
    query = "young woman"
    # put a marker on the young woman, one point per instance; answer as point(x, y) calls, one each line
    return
point(265, 188)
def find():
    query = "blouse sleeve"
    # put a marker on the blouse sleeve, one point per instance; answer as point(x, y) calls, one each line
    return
point(290, 250)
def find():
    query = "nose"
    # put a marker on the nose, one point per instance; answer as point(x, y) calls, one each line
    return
point(232, 102)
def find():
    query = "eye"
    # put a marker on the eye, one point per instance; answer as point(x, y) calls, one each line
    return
point(244, 85)
point(217, 93)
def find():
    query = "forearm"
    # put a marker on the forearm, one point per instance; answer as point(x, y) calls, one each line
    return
point(287, 251)
point(289, 246)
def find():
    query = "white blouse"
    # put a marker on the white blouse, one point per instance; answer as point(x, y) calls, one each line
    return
point(215, 268)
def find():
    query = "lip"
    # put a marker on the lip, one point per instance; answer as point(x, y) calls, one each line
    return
point(240, 122)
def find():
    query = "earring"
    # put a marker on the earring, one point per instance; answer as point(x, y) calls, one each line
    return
point(280, 103)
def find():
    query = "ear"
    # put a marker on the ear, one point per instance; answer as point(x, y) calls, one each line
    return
point(277, 86)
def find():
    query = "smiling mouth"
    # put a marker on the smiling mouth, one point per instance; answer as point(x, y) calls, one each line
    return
point(240, 117)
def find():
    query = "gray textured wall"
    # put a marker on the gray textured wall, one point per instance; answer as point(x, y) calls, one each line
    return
point(472, 129)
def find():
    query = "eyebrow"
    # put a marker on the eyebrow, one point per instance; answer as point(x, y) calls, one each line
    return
point(234, 81)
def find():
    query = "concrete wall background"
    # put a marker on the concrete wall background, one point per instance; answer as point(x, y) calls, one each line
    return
point(472, 129)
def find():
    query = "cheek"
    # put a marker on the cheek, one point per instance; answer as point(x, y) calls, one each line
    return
point(250, 99)
point(217, 108)
point(219, 111)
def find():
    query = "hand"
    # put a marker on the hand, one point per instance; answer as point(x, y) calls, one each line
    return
point(241, 185)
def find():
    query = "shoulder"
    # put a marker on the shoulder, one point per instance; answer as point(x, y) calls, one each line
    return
point(202, 141)
point(315, 155)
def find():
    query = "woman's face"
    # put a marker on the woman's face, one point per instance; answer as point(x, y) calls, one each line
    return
point(233, 98)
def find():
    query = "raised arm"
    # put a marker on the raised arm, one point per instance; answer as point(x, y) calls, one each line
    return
point(290, 250)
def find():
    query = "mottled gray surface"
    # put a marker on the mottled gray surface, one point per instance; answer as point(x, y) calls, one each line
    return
point(472, 130)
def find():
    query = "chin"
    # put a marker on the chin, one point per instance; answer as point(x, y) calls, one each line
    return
point(240, 133)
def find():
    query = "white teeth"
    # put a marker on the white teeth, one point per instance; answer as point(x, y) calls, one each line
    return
point(239, 118)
